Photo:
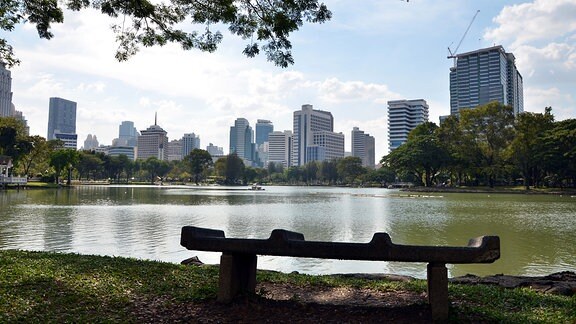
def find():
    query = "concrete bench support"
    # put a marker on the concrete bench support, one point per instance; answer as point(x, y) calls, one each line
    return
point(239, 258)
point(237, 275)
point(437, 276)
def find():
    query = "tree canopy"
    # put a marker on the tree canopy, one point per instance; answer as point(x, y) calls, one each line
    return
point(265, 24)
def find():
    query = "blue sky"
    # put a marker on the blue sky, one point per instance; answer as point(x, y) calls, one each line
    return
point(371, 52)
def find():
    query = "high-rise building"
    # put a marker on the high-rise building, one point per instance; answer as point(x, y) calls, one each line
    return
point(483, 76)
point(62, 122)
point(6, 107)
point(325, 146)
point(174, 150)
point(127, 134)
point(242, 141)
point(305, 124)
point(280, 148)
point(91, 142)
point(190, 142)
point(404, 116)
point(215, 150)
point(153, 142)
point(263, 128)
point(363, 146)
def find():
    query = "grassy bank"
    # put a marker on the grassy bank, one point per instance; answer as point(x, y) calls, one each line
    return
point(47, 287)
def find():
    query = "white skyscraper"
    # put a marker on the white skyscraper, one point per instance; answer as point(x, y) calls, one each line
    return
point(280, 147)
point(404, 116)
point(306, 123)
point(363, 146)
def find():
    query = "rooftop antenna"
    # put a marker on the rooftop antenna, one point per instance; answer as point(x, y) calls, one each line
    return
point(454, 54)
point(155, 118)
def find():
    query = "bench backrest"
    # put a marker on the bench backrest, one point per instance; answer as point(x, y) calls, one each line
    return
point(484, 249)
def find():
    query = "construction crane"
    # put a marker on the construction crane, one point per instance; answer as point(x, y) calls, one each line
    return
point(454, 53)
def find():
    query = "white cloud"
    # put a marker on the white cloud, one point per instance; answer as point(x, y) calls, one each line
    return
point(540, 20)
point(562, 103)
point(542, 36)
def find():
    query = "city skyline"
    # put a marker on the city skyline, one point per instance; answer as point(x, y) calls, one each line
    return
point(351, 66)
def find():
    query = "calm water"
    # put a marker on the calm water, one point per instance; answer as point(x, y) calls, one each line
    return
point(538, 233)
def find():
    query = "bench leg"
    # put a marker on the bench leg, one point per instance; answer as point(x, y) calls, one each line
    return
point(237, 275)
point(438, 291)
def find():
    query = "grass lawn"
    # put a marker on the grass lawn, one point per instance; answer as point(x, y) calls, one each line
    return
point(42, 287)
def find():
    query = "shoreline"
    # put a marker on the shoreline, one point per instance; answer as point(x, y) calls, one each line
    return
point(496, 190)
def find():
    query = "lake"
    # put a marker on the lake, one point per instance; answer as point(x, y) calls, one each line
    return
point(537, 232)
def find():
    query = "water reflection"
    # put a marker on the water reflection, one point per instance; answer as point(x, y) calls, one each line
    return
point(145, 222)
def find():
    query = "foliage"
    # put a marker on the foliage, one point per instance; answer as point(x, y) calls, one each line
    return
point(156, 168)
point(557, 152)
point(199, 161)
point(350, 168)
point(524, 148)
point(266, 23)
point(423, 154)
point(14, 141)
point(64, 159)
point(487, 131)
point(234, 171)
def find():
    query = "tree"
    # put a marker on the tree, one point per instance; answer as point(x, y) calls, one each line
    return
point(383, 176)
point(350, 168)
point(89, 163)
point(156, 168)
point(14, 141)
point(199, 161)
point(557, 151)
point(266, 23)
point(460, 156)
point(329, 171)
point(234, 171)
point(422, 155)
point(310, 171)
point(64, 159)
point(524, 148)
point(488, 130)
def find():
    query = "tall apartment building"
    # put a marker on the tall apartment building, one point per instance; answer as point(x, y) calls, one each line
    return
point(153, 142)
point(404, 116)
point(127, 134)
point(189, 142)
point(483, 76)
point(62, 122)
point(280, 148)
point(306, 123)
point(363, 146)
point(242, 141)
point(6, 107)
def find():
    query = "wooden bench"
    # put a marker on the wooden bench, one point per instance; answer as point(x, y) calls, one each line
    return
point(239, 257)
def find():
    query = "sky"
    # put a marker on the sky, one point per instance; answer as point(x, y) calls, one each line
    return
point(370, 52)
